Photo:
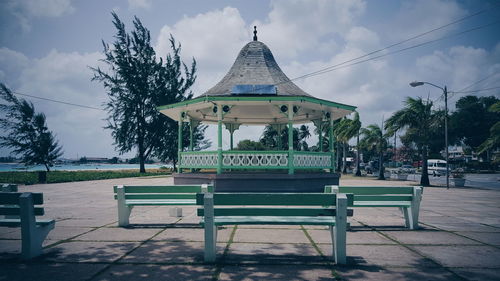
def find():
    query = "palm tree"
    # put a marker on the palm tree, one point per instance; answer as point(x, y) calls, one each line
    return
point(346, 130)
point(419, 120)
point(374, 138)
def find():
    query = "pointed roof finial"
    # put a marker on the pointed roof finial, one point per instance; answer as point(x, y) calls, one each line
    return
point(255, 33)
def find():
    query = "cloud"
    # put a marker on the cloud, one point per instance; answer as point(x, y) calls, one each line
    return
point(26, 10)
point(66, 77)
point(418, 16)
point(11, 64)
point(139, 4)
point(295, 27)
point(458, 67)
point(213, 39)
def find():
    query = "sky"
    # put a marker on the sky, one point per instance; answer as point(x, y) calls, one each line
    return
point(47, 47)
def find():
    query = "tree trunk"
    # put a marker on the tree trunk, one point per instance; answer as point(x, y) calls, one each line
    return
point(339, 163)
point(424, 179)
point(358, 170)
point(381, 167)
point(344, 159)
point(140, 143)
point(175, 164)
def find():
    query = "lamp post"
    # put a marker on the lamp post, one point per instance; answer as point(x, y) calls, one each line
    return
point(445, 92)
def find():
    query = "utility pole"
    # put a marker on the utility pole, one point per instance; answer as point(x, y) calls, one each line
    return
point(446, 136)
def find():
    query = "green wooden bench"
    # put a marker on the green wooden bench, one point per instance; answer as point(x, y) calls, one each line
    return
point(275, 209)
point(6, 187)
point(407, 198)
point(129, 196)
point(33, 231)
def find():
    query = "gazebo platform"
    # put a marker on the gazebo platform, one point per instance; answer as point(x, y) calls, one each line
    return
point(265, 181)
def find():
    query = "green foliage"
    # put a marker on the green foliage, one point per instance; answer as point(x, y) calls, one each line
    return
point(70, 176)
point(137, 82)
point(250, 145)
point(271, 138)
point(345, 130)
point(471, 122)
point(493, 141)
point(421, 123)
point(374, 139)
point(26, 131)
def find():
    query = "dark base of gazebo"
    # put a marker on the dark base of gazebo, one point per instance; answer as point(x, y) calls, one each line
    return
point(260, 181)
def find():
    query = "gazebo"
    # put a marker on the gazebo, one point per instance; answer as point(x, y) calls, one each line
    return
point(255, 91)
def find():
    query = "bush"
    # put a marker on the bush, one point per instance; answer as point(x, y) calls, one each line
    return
point(69, 176)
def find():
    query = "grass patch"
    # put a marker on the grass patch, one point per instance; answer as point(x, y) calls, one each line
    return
point(69, 176)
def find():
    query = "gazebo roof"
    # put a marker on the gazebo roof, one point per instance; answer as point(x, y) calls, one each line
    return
point(256, 91)
point(255, 65)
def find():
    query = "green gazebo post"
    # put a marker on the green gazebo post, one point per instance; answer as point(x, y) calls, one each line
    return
point(291, 168)
point(332, 146)
point(179, 141)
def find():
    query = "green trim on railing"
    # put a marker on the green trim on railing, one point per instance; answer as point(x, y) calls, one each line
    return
point(261, 98)
point(256, 151)
point(312, 153)
point(200, 152)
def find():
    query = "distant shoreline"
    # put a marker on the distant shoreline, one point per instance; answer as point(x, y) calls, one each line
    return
point(17, 167)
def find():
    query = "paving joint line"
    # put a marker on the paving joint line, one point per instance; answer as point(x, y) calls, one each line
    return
point(220, 265)
point(126, 254)
point(458, 234)
point(334, 273)
point(418, 253)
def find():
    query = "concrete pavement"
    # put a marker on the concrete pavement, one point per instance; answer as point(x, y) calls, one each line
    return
point(459, 240)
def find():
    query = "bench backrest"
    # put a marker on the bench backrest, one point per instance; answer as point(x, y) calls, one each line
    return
point(235, 204)
point(6, 187)
point(163, 192)
point(376, 193)
point(11, 203)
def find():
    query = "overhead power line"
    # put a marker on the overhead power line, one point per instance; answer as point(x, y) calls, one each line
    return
point(350, 62)
point(475, 91)
point(58, 101)
point(324, 70)
point(343, 65)
point(473, 84)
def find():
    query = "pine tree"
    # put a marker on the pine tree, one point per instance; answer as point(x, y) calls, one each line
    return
point(137, 82)
point(26, 131)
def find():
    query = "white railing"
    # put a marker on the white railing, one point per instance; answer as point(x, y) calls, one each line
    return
point(312, 160)
point(256, 160)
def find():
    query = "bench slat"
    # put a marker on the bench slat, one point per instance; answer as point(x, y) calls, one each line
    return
point(12, 198)
point(163, 189)
point(249, 220)
point(376, 190)
point(17, 222)
point(15, 210)
point(272, 212)
point(358, 198)
point(160, 196)
point(382, 204)
point(165, 202)
point(288, 199)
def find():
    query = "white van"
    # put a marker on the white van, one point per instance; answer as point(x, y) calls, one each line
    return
point(436, 167)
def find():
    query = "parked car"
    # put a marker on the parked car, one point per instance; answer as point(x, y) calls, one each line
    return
point(408, 169)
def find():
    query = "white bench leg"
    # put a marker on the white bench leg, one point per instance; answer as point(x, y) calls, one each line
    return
point(339, 231)
point(123, 209)
point(210, 228)
point(31, 234)
point(406, 214)
point(415, 208)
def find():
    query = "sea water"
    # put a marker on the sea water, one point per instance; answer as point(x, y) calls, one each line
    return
point(11, 167)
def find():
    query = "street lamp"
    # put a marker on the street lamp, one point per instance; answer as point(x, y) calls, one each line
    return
point(445, 92)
